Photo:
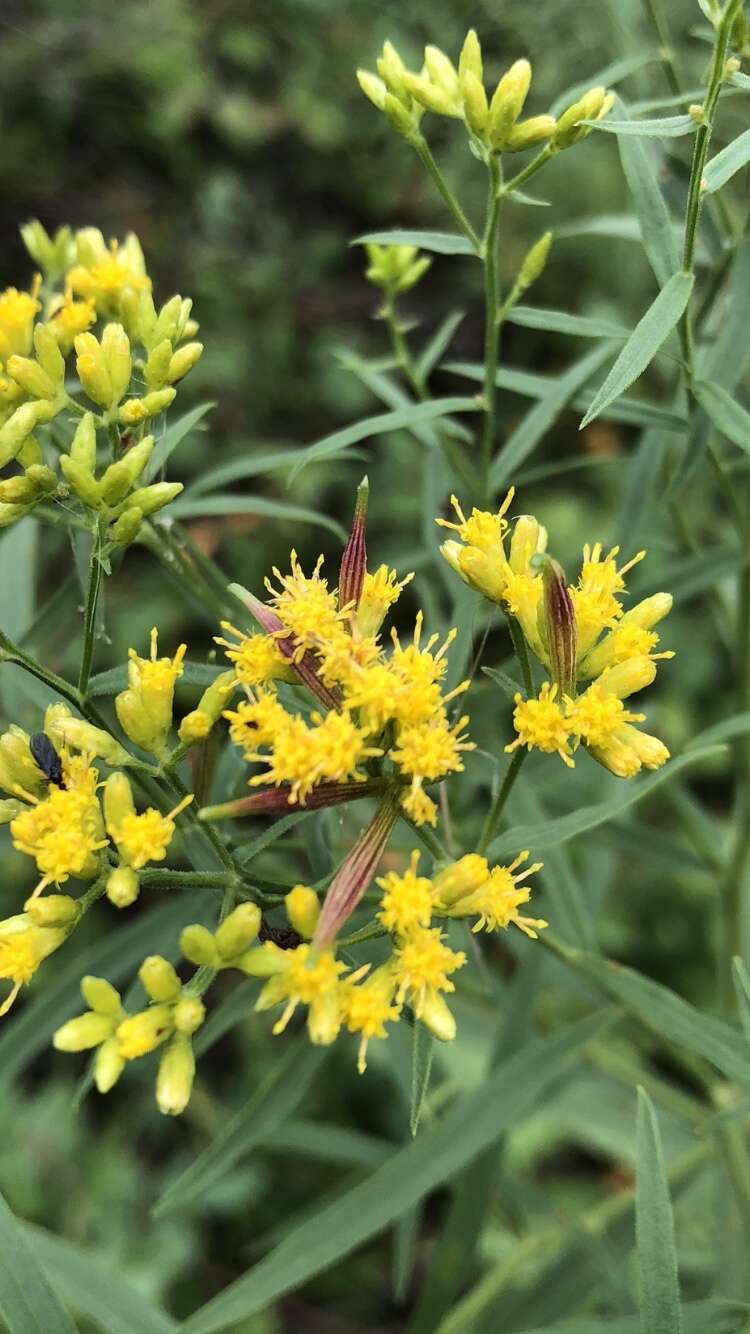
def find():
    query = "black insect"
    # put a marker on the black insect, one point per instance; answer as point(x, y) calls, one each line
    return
point(47, 758)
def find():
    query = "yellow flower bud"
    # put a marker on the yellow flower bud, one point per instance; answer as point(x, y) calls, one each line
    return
point(144, 1032)
point(82, 482)
point(476, 109)
point(49, 356)
point(507, 102)
point(436, 1016)
point(127, 528)
point(21, 423)
point(626, 678)
point(123, 887)
point(463, 877)
point(171, 315)
point(174, 1082)
point(118, 800)
point(92, 371)
point(83, 445)
point(51, 253)
point(264, 960)
point(183, 361)
point(52, 910)
point(138, 409)
point(159, 978)
point(470, 60)
point(189, 1014)
point(529, 132)
point(441, 70)
point(372, 87)
point(18, 769)
point(238, 930)
point(30, 453)
point(27, 489)
point(116, 353)
point(197, 725)
point(30, 376)
point(149, 499)
point(303, 910)
point(156, 370)
point(594, 105)
point(108, 1065)
point(93, 740)
point(392, 69)
point(198, 945)
point(120, 476)
point(534, 262)
point(101, 996)
point(86, 1031)
point(9, 809)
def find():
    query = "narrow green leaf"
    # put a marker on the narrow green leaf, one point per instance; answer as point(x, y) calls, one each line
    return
point(472, 1124)
point(644, 342)
point(91, 1287)
point(550, 833)
point(724, 361)
point(541, 417)
point(440, 341)
point(725, 413)
point(271, 1103)
point(441, 243)
point(730, 160)
point(559, 321)
point(654, 1230)
point(422, 1052)
point(253, 465)
point(742, 991)
point(738, 724)
point(187, 508)
point(656, 227)
point(662, 1011)
point(406, 418)
point(709, 1317)
point(247, 852)
point(688, 576)
point(506, 683)
point(27, 1303)
point(665, 127)
point(174, 436)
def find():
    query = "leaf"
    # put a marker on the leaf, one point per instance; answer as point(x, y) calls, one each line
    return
point(187, 508)
point(270, 1103)
point(708, 1317)
point(253, 465)
point(27, 1303)
point(662, 1011)
point(441, 243)
point(657, 230)
point(550, 833)
point(665, 127)
point(730, 160)
point(471, 1125)
point(724, 361)
point(729, 728)
point(742, 992)
point(174, 436)
point(249, 851)
point(724, 412)
point(440, 341)
point(505, 682)
point(422, 1052)
point(93, 1288)
point(654, 1230)
point(537, 422)
point(608, 75)
point(559, 321)
point(644, 342)
point(406, 418)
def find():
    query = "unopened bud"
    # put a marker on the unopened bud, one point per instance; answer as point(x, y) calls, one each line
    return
point(123, 887)
point(529, 132)
point(149, 499)
point(507, 102)
point(372, 87)
point(354, 558)
point(36, 482)
point(174, 1081)
point(238, 931)
point(156, 369)
point(183, 361)
point(303, 910)
point(470, 60)
point(52, 910)
point(120, 476)
point(138, 409)
point(85, 737)
point(391, 69)
point(83, 445)
point(476, 109)
point(81, 481)
point(197, 725)
point(31, 377)
point(118, 800)
point(83, 1032)
point(127, 528)
point(108, 1065)
point(534, 262)
point(100, 995)
point(189, 1014)
point(558, 629)
point(592, 106)
point(159, 978)
point(198, 946)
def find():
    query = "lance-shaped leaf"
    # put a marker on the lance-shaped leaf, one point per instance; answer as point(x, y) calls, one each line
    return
point(275, 800)
point(305, 667)
point(354, 558)
point(355, 873)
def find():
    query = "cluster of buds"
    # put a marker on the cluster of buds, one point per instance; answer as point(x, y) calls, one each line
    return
point(85, 282)
point(494, 122)
point(596, 652)
point(395, 268)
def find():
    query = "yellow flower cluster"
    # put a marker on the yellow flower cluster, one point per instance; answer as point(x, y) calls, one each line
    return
point(128, 370)
point(610, 652)
point(384, 706)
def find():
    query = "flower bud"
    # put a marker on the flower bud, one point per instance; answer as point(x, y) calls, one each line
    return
point(116, 353)
point(120, 476)
point(264, 960)
point(156, 370)
point(461, 878)
point(507, 102)
point(51, 253)
point(470, 60)
point(80, 1034)
point(372, 87)
point(36, 482)
point(238, 930)
point(430, 95)
point(82, 482)
point(436, 1016)
point(118, 800)
point(18, 768)
point(20, 424)
point(594, 105)
point(138, 409)
point(101, 996)
point(127, 528)
point(534, 262)
point(108, 1065)
point(93, 740)
point(183, 361)
point(144, 1032)
point(626, 678)
point(529, 132)
point(197, 725)
point(11, 514)
point(189, 1014)
point(30, 453)
point(123, 887)
point(92, 371)
point(83, 445)
point(159, 978)
point(30, 377)
point(392, 70)
point(441, 70)
point(9, 809)
point(529, 539)
point(171, 315)
point(199, 947)
point(52, 910)
point(354, 558)
point(49, 356)
point(174, 1081)
point(149, 499)
point(558, 626)
point(303, 910)
point(476, 110)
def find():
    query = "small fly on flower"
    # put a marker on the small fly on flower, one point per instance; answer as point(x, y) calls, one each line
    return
point(47, 758)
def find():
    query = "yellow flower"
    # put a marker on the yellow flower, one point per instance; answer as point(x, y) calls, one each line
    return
point(64, 832)
point(67, 318)
point(368, 1006)
point(106, 274)
point(633, 636)
point(599, 718)
point(144, 1032)
point(594, 598)
point(422, 966)
point(480, 561)
point(17, 311)
point(304, 976)
point(257, 658)
point(540, 723)
point(306, 607)
point(419, 672)
point(145, 708)
point(380, 590)
point(430, 750)
point(495, 902)
point(407, 899)
point(329, 751)
point(256, 722)
point(145, 838)
point(23, 946)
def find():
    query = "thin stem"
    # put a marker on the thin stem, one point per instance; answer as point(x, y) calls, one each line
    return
point(430, 840)
point(529, 170)
point(665, 51)
point(164, 878)
point(92, 604)
point(401, 347)
point(491, 320)
point(425, 156)
point(498, 805)
point(521, 652)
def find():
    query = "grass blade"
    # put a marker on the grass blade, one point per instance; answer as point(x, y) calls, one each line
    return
point(742, 991)
point(651, 331)
point(406, 418)
point(423, 1050)
point(28, 1304)
point(665, 127)
point(187, 508)
point(654, 1230)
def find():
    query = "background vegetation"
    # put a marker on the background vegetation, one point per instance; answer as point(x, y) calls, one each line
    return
point(233, 139)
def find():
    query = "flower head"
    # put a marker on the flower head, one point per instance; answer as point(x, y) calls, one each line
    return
point(145, 708)
point(309, 977)
point(541, 723)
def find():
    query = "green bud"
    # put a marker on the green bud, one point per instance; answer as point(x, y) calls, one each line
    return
point(49, 356)
point(189, 1014)
point(52, 254)
point(441, 70)
point(101, 996)
point(156, 370)
point(168, 320)
point(36, 482)
point(108, 1065)
point(120, 476)
point(372, 87)
point(529, 132)
point(534, 262)
point(81, 481)
point(238, 930)
point(470, 60)
point(83, 736)
point(118, 800)
point(198, 946)
point(592, 106)
point(52, 910)
point(138, 409)
point(30, 377)
point(183, 361)
point(30, 453)
point(507, 102)
point(83, 444)
point(127, 528)
point(392, 70)
point(21, 423)
point(476, 109)
point(159, 978)
point(123, 887)
point(149, 499)
point(197, 725)
point(11, 514)
point(82, 1033)
point(174, 1081)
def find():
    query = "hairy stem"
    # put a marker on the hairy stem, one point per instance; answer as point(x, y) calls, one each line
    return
point(92, 605)
point(491, 321)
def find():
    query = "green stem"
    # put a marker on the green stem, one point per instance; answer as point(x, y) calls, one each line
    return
point(521, 652)
point(401, 347)
point(491, 320)
point(426, 836)
point(498, 805)
point(164, 878)
point(665, 51)
point(92, 604)
point(529, 170)
point(425, 156)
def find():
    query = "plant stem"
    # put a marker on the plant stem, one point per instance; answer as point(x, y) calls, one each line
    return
point(425, 156)
point(529, 170)
point(164, 878)
point(491, 321)
point(498, 805)
point(92, 604)
point(401, 347)
point(521, 652)
point(665, 51)
point(430, 840)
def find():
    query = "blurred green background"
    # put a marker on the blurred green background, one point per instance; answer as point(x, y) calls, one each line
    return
point(231, 136)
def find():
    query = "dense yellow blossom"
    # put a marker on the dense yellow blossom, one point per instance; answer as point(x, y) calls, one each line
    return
point(304, 976)
point(23, 946)
point(17, 312)
point(65, 831)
